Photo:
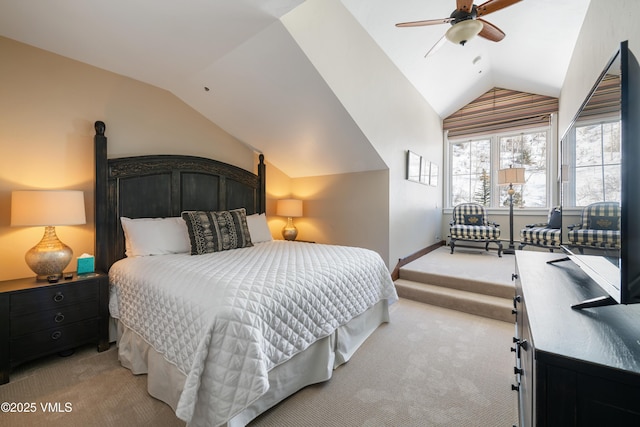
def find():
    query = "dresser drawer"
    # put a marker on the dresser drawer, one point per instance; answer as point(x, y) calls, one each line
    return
point(53, 340)
point(62, 316)
point(52, 297)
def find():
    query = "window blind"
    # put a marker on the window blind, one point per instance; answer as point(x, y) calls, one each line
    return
point(605, 101)
point(500, 109)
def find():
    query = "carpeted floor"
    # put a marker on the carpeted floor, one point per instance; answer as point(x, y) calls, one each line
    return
point(99, 390)
point(429, 367)
point(474, 264)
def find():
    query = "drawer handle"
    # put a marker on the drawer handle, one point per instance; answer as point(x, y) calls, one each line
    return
point(55, 335)
point(59, 318)
point(59, 296)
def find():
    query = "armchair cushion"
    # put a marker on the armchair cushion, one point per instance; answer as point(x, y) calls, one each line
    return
point(541, 236)
point(474, 232)
point(595, 238)
point(603, 223)
point(473, 219)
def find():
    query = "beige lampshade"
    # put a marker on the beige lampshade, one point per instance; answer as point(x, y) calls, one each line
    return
point(47, 207)
point(289, 207)
point(464, 31)
point(511, 176)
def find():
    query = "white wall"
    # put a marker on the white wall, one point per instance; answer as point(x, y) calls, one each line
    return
point(607, 23)
point(387, 108)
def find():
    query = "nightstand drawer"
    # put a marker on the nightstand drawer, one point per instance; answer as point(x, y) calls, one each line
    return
point(53, 340)
point(39, 318)
point(62, 316)
point(52, 297)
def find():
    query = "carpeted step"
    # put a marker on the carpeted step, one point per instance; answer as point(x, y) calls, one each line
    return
point(500, 290)
point(455, 299)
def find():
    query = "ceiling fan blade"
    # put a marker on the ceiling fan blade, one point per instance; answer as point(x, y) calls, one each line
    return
point(464, 5)
point(493, 5)
point(424, 23)
point(436, 46)
point(490, 31)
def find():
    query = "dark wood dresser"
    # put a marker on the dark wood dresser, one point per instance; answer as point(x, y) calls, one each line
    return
point(573, 367)
point(41, 318)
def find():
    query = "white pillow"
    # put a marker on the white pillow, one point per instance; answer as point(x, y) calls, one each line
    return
point(155, 236)
point(258, 228)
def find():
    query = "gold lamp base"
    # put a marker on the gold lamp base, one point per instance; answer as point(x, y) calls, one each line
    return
point(289, 231)
point(49, 257)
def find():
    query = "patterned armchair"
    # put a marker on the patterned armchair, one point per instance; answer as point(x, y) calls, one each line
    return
point(599, 227)
point(470, 224)
point(545, 234)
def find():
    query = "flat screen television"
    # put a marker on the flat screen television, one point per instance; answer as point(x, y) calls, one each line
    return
point(600, 162)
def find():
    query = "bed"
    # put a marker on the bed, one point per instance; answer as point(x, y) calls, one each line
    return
point(225, 324)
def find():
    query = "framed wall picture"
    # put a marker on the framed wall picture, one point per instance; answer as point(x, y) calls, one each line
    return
point(413, 166)
point(424, 171)
point(433, 175)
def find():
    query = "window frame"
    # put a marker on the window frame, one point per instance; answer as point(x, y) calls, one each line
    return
point(570, 201)
point(552, 159)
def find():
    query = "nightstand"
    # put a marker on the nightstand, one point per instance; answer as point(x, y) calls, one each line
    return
point(40, 318)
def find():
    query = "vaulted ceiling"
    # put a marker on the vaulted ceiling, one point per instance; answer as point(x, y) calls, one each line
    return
point(239, 64)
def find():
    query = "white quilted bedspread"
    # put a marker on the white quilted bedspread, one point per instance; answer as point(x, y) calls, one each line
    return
point(225, 319)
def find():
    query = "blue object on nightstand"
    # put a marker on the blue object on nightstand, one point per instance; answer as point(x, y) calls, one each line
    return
point(86, 264)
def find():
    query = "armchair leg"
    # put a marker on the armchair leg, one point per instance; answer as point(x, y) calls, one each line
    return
point(499, 248)
point(521, 245)
point(452, 243)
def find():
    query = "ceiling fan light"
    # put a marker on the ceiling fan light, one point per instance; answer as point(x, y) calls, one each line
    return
point(464, 31)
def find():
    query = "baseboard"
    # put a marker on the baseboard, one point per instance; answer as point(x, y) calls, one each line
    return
point(395, 275)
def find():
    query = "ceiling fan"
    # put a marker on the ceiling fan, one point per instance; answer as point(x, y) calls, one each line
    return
point(466, 22)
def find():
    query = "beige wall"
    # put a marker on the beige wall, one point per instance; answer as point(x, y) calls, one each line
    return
point(346, 209)
point(49, 104)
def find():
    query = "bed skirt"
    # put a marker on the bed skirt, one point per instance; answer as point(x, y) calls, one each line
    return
point(316, 364)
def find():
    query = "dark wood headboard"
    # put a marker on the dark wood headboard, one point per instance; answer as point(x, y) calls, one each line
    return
point(164, 186)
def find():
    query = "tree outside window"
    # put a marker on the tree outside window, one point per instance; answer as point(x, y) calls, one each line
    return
point(527, 150)
point(470, 161)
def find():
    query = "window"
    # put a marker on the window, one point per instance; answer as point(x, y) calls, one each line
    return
point(474, 164)
point(593, 159)
point(470, 169)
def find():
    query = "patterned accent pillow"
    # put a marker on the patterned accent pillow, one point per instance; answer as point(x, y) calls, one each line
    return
point(217, 231)
point(473, 219)
point(603, 223)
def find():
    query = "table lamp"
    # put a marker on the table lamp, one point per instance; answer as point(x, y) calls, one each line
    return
point(290, 208)
point(48, 208)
